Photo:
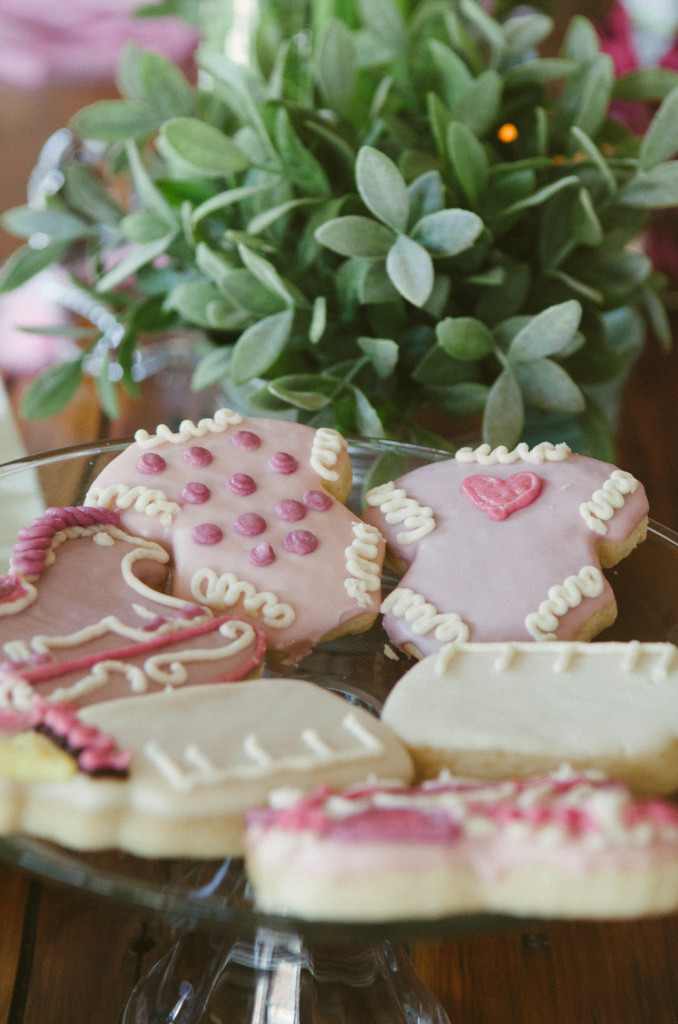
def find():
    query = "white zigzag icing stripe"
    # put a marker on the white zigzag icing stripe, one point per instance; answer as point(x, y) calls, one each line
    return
point(361, 564)
point(397, 507)
point(487, 456)
point(150, 501)
point(607, 499)
point(589, 582)
point(327, 444)
point(222, 420)
point(424, 617)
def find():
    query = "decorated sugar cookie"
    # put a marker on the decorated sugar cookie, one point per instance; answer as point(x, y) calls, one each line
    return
point(565, 844)
point(172, 774)
point(252, 513)
point(505, 545)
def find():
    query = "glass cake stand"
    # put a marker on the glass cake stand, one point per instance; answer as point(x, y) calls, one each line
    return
point(231, 963)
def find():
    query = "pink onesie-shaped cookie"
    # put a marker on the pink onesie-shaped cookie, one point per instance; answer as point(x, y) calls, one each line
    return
point(252, 513)
point(502, 545)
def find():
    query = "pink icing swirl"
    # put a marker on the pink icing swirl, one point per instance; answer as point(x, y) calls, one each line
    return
point(151, 462)
point(318, 501)
point(195, 493)
point(283, 463)
point(249, 524)
point(300, 542)
point(34, 541)
point(262, 555)
point(196, 455)
point(241, 484)
point(96, 753)
point(207, 533)
point(289, 510)
point(246, 440)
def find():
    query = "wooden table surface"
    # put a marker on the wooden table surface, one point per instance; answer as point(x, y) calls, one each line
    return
point(70, 958)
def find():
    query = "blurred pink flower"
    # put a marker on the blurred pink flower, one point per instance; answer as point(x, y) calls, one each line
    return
point(23, 353)
point(80, 39)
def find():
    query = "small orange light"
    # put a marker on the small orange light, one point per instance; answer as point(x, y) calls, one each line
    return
point(558, 160)
point(507, 133)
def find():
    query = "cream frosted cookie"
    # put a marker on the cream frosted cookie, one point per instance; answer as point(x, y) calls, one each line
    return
point(500, 710)
point(182, 767)
point(84, 617)
point(564, 844)
point(505, 545)
point(252, 512)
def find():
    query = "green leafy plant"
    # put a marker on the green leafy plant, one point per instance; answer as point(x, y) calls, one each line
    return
point(395, 210)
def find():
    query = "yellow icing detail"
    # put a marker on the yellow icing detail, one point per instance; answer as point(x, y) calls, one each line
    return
point(325, 449)
point(147, 500)
point(195, 769)
point(361, 564)
point(588, 582)
point(30, 757)
point(398, 508)
point(225, 591)
point(484, 455)
point(222, 420)
point(607, 500)
point(424, 617)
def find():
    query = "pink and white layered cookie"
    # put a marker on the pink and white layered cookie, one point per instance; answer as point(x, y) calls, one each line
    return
point(84, 618)
point(505, 545)
point(252, 513)
point(566, 844)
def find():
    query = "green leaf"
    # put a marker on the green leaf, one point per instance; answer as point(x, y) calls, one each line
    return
point(581, 41)
point(537, 71)
point(382, 188)
point(382, 353)
point(547, 333)
point(269, 216)
point(309, 391)
point(410, 268)
point(132, 261)
point(144, 226)
point(524, 32)
point(146, 189)
point(384, 20)
point(455, 75)
point(318, 319)
point(355, 236)
point(265, 272)
point(164, 86)
point(486, 26)
point(54, 223)
point(368, 421)
point(52, 390)
point(448, 232)
point(504, 412)
point(542, 194)
point(660, 141)
point(586, 226)
point(461, 400)
point(336, 66)
point(658, 317)
point(645, 84)
point(463, 337)
point(200, 148)
point(652, 190)
point(242, 289)
point(106, 389)
point(191, 300)
point(588, 145)
point(548, 386)
point(259, 346)
point(478, 107)
point(86, 194)
point(25, 262)
point(116, 121)
point(426, 194)
point(212, 368)
point(469, 160)
point(301, 166)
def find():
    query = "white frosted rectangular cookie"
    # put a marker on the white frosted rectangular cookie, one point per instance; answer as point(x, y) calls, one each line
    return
point(502, 709)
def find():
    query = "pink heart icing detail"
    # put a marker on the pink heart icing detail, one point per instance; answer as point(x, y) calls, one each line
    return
point(499, 498)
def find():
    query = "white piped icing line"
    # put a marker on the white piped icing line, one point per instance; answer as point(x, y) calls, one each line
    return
point(325, 449)
point(607, 499)
point(221, 421)
point(588, 582)
point(397, 507)
point(194, 770)
point(361, 564)
point(487, 456)
point(423, 617)
point(224, 591)
point(147, 500)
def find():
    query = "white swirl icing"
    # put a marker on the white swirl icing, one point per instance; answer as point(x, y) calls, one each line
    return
point(397, 507)
point(361, 564)
point(607, 499)
point(487, 456)
point(226, 590)
point(588, 582)
point(424, 617)
point(222, 420)
point(325, 449)
point(147, 500)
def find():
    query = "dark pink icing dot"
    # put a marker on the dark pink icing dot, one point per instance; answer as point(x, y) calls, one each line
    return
point(262, 554)
point(246, 439)
point(289, 510)
point(319, 501)
point(300, 542)
point(241, 484)
point(249, 524)
point(195, 493)
point(151, 462)
point(283, 462)
point(207, 533)
point(197, 456)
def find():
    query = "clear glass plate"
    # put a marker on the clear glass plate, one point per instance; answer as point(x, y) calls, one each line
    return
point(216, 893)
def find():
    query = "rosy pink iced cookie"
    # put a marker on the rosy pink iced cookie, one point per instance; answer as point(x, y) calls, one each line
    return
point(84, 617)
point(505, 545)
point(566, 844)
point(252, 512)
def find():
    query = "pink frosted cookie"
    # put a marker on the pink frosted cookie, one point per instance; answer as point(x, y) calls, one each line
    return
point(559, 845)
point(172, 774)
point(505, 545)
point(83, 617)
point(252, 512)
